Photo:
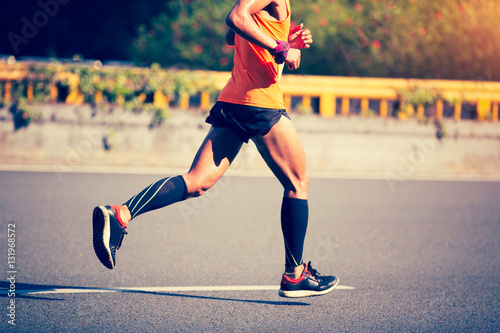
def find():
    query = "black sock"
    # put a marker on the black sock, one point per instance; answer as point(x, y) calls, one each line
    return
point(294, 216)
point(160, 194)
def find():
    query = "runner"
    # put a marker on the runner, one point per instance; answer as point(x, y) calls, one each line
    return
point(250, 106)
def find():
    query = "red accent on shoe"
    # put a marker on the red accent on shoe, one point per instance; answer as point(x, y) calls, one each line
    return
point(118, 217)
point(301, 277)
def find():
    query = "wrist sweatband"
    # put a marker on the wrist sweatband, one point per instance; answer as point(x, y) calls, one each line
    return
point(280, 52)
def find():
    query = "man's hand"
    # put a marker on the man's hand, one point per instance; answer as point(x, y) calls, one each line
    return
point(300, 38)
point(293, 59)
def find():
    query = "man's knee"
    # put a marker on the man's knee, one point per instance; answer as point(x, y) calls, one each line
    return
point(197, 186)
point(303, 184)
point(298, 187)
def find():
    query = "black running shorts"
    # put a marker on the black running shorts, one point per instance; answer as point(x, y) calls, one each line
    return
point(246, 121)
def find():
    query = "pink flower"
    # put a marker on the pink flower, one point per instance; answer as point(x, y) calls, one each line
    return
point(224, 61)
point(198, 49)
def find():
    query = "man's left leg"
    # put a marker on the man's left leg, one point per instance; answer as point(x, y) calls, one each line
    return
point(283, 152)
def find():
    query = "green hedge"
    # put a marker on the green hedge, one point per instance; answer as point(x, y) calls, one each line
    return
point(128, 83)
point(132, 88)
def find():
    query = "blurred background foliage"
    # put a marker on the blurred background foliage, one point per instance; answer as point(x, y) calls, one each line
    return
point(186, 34)
point(452, 39)
point(103, 88)
point(448, 39)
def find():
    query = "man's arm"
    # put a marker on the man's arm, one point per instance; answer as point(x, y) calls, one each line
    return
point(241, 22)
point(230, 37)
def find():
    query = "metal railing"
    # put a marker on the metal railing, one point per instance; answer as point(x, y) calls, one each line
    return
point(330, 92)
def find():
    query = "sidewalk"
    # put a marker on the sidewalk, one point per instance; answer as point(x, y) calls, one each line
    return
point(69, 138)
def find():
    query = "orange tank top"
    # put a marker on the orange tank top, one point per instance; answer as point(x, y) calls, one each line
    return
point(255, 76)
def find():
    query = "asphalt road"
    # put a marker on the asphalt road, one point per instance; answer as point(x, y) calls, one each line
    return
point(424, 257)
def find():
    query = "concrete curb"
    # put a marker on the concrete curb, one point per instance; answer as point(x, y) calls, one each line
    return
point(71, 139)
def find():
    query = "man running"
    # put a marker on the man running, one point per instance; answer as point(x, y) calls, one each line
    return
point(250, 106)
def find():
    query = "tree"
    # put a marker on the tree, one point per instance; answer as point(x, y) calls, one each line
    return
point(449, 39)
point(188, 33)
point(452, 39)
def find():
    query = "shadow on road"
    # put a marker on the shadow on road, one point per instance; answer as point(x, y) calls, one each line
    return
point(26, 290)
point(218, 298)
point(22, 288)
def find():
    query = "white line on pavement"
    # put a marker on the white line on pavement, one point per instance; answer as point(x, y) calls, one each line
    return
point(148, 289)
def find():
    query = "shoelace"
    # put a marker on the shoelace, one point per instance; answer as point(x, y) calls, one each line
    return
point(124, 232)
point(314, 273)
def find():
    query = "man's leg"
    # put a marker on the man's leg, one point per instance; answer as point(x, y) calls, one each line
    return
point(283, 152)
point(215, 155)
point(212, 160)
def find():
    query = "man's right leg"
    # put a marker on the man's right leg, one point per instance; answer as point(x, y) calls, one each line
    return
point(212, 160)
point(216, 153)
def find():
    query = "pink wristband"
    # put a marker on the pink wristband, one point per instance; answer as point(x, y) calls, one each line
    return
point(280, 52)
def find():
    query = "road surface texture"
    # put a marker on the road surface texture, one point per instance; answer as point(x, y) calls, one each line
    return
point(412, 256)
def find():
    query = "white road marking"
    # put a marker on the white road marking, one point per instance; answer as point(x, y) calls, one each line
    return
point(148, 289)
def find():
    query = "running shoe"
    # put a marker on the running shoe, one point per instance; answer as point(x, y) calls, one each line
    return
point(310, 283)
point(108, 234)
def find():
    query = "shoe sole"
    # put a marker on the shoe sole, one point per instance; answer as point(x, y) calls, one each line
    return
point(306, 293)
point(101, 228)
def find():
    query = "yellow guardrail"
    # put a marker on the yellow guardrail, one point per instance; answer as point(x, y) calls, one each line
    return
point(484, 94)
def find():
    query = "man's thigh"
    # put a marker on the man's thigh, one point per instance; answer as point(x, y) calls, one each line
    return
point(216, 153)
point(283, 152)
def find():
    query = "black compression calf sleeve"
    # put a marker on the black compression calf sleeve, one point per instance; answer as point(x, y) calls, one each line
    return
point(294, 216)
point(160, 194)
